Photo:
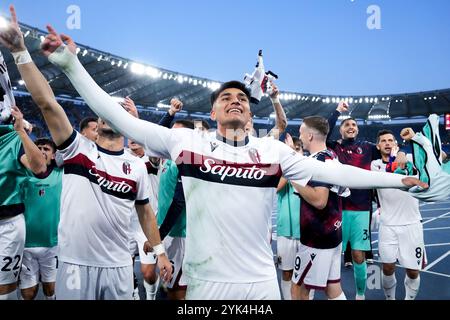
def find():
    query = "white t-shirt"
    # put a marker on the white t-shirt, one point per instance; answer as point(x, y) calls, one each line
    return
point(398, 208)
point(100, 190)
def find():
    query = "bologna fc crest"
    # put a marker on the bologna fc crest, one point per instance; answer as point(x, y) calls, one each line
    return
point(359, 150)
point(41, 192)
point(126, 167)
point(254, 155)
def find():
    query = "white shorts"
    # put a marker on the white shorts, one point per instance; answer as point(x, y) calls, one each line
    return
point(286, 252)
point(38, 265)
point(402, 243)
point(316, 268)
point(75, 282)
point(12, 241)
point(175, 248)
point(137, 248)
point(207, 290)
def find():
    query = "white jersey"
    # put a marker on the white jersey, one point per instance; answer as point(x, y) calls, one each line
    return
point(100, 190)
point(229, 192)
point(398, 208)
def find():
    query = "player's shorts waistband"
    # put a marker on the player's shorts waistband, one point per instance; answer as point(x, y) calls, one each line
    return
point(11, 210)
point(5, 220)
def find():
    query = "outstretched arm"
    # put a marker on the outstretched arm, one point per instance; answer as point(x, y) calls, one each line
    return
point(54, 115)
point(156, 139)
point(301, 170)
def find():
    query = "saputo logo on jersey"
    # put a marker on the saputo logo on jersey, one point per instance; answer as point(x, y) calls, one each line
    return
point(220, 171)
point(224, 171)
point(110, 185)
point(116, 186)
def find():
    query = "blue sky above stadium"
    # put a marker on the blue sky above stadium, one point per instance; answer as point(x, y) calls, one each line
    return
point(335, 47)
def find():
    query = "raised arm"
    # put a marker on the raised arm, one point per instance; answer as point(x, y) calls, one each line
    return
point(280, 116)
point(33, 158)
point(332, 120)
point(175, 107)
point(54, 115)
point(157, 140)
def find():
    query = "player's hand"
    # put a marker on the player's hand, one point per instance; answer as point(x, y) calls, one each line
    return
point(401, 160)
point(289, 142)
point(129, 105)
point(414, 182)
point(407, 134)
point(275, 92)
point(19, 122)
point(11, 36)
point(165, 268)
point(342, 107)
point(175, 106)
point(53, 41)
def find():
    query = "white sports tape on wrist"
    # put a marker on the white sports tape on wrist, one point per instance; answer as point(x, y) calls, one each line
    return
point(159, 249)
point(22, 57)
point(275, 100)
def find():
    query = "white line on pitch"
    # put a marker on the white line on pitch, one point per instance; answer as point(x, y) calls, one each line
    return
point(425, 229)
point(431, 265)
point(435, 209)
point(441, 216)
point(424, 271)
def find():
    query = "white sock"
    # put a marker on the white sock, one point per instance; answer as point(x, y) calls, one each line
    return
point(286, 289)
point(340, 297)
point(9, 296)
point(389, 286)
point(312, 292)
point(151, 289)
point(411, 287)
point(53, 297)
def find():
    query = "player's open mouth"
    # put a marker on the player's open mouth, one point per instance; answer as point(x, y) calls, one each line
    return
point(235, 110)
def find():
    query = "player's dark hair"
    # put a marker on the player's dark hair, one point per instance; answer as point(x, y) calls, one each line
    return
point(45, 142)
point(185, 123)
point(382, 133)
point(84, 123)
point(227, 85)
point(348, 119)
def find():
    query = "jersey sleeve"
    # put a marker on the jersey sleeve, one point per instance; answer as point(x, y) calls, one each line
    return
point(74, 145)
point(301, 169)
point(143, 186)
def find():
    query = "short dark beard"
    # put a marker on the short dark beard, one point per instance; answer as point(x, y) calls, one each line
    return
point(109, 134)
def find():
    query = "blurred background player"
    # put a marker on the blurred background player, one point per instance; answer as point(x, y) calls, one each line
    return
point(42, 196)
point(288, 226)
point(19, 157)
point(356, 208)
point(148, 262)
point(318, 261)
point(172, 220)
point(400, 231)
point(89, 128)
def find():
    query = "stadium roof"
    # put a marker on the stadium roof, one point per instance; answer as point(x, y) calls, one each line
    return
point(150, 86)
